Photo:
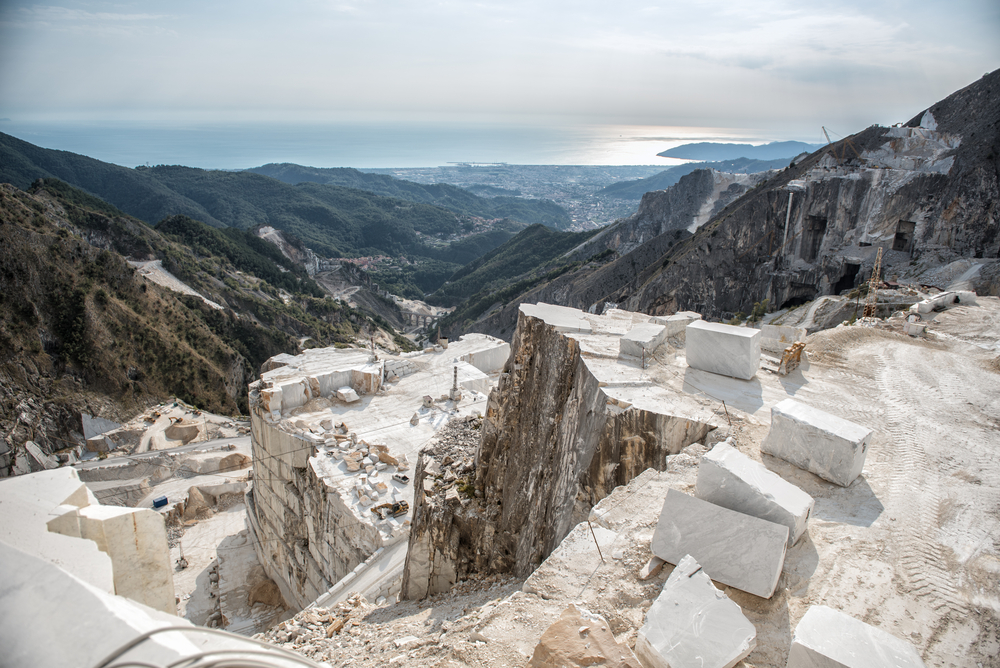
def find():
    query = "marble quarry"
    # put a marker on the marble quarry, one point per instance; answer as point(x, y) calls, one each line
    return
point(569, 421)
point(329, 429)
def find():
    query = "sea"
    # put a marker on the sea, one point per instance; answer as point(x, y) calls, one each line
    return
point(241, 145)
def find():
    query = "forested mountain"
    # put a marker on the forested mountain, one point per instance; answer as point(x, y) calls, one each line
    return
point(331, 219)
point(79, 325)
point(458, 200)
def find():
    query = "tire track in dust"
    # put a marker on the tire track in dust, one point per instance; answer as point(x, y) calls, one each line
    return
point(921, 557)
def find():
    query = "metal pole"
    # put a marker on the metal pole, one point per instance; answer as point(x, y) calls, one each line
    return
point(595, 542)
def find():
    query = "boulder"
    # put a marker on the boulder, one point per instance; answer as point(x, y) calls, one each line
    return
point(580, 638)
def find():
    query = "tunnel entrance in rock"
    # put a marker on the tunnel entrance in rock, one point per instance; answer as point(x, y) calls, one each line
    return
point(903, 241)
point(797, 300)
point(847, 280)
point(812, 237)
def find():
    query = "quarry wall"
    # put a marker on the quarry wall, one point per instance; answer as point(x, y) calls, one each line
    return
point(556, 439)
point(306, 535)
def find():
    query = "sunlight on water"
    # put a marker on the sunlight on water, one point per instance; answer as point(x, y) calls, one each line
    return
point(243, 145)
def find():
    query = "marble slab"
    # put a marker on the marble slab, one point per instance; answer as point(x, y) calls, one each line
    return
point(827, 638)
point(643, 338)
point(677, 322)
point(723, 349)
point(739, 550)
point(562, 318)
point(728, 478)
point(691, 623)
point(831, 447)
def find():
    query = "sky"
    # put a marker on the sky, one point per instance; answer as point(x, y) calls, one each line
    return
point(767, 64)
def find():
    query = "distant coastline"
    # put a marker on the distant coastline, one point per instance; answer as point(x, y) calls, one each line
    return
point(374, 145)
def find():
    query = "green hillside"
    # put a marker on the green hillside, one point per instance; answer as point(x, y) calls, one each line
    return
point(333, 220)
point(455, 199)
point(533, 252)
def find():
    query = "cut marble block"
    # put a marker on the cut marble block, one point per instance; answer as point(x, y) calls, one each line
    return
point(347, 394)
point(723, 349)
point(691, 623)
point(728, 478)
point(826, 638)
point(646, 337)
point(831, 447)
point(677, 322)
point(739, 550)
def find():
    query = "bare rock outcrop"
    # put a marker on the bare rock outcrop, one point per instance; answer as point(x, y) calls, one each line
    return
point(555, 441)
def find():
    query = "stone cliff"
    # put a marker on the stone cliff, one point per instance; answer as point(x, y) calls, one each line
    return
point(925, 192)
point(568, 422)
point(664, 218)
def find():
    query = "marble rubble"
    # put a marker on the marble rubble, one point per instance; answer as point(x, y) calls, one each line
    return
point(826, 638)
point(712, 535)
point(829, 446)
point(692, 623)
point(728, 478)
point(723, 349)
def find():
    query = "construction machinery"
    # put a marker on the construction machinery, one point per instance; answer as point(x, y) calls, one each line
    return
point(386, 510)
point(871, 300)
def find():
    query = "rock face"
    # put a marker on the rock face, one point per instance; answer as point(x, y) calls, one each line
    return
point(555, 441)
point(664, 218)
point(927, 188)
point(924, 192)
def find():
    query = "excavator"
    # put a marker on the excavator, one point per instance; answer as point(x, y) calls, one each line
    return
point(391, 509)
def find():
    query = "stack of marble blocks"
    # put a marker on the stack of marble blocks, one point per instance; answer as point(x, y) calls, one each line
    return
point(831, 447)
point(677, 322)
point(723, 349)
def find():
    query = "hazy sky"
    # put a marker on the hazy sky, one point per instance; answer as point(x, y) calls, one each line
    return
point(761, 64)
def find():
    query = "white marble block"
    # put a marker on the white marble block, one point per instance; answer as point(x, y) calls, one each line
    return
point(677, 322)
point(348, 395)
point(831, 447)
point(644, 338)
point(723, 349)
point(691, 623)
point(728, 478)
point(739, 550)
point(826, 638)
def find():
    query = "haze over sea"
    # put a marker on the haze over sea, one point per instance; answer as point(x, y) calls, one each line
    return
point(365, 144)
